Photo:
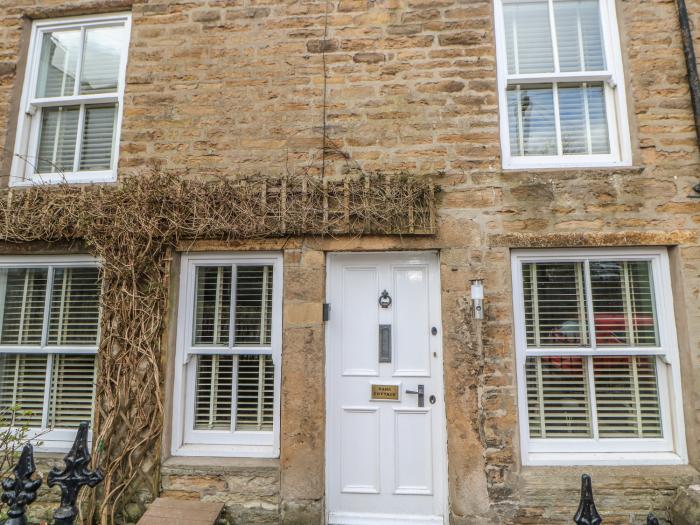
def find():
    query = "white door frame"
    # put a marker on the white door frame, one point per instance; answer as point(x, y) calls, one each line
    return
point(438, 372)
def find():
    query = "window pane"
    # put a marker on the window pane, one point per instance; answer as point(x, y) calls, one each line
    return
point(623, 303)
point(22, 385)
point(255, 393)
point(98, 137)
point(579, 37)
point(101, 59)
point(254, 305)
point(23, 308)
point(531, 120)
point(72, 390)
point(584, 125)
point(212, 305)
point(528, 38)
point(555, 304)
point(557, 397)
point(58, 63)
point(75, 301)
point(57, 139)
point(597, 118)
point(627, 397)
point(213, 392)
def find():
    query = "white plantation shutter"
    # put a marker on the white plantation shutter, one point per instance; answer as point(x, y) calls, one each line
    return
point(57, 139)
point(23, 311)
point(253, 305)
point(253, 376)
point(74, 311)
point(72, 387)
point(555, 304)
point(627, 397)
point(214, 392)
point(22, 385)
point(212, 306)
point(47, 311)
point(579, 36)
point(589, 395)
point(623, 303)
point(528, 38)
point(532, 120)
point(557, 395)
point(98, 137)
point(256, 392)
point(583, 119)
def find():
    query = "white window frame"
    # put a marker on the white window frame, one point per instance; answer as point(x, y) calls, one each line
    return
point(613, 81)
point(29, 122)
point(185, 440)
point(45, 439)
point(671, 449)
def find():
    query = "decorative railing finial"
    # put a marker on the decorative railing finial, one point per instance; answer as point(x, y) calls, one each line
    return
point(20, 491)
point(73, 477)
point(587, 513)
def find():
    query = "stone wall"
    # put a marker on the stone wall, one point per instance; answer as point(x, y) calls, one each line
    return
point(234, 87)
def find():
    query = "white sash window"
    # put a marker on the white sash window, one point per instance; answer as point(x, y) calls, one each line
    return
point(597, 357)
point(49, 330)
point(228, 356)
point(72, 101)
point(561, 84)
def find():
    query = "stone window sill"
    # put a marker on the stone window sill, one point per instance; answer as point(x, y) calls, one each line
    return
point(217, 464)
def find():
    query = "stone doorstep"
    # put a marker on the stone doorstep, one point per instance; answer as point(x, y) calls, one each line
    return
point(171, 511)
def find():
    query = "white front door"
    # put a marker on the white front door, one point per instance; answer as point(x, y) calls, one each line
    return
point(385, 441)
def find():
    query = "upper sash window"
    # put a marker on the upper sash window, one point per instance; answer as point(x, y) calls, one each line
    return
point(72, 102)
point(561, 84)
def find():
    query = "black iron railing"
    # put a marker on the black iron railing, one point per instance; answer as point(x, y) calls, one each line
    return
point(587, 514)
point(20, 490)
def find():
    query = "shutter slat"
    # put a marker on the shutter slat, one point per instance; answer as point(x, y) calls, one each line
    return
point(98, 137)
point(557, 394)
point(72, 390)
point(623, 303)
point(23, 315)
point(627, 397)
point(74, 312)
point(528, 38)
point(22, 385)
point(253, 324)
point(255, 392)
point(57, 139)
point(214, 392)
point(212, 305)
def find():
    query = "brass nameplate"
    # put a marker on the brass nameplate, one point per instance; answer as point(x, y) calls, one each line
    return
point(385, 392)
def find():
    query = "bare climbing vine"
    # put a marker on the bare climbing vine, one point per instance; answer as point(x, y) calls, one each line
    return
point(133, 228)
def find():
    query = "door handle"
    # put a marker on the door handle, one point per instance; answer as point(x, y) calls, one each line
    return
point(421, 394)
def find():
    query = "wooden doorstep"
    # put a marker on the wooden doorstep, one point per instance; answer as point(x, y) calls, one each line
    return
point(171, 511)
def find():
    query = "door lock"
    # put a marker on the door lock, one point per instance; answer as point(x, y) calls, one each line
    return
point(421, 394)
point(432, 400)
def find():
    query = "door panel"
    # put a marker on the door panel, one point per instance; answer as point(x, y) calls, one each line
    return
point(360, 438)
point(359, 321)
point(413, 459)
point(410, 321)
point(385, 454)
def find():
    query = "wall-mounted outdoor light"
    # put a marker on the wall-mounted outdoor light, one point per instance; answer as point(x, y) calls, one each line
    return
point(478, 298)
